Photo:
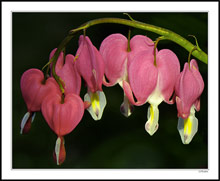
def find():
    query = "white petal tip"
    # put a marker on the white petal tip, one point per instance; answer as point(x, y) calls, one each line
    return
point(96, 117)
point(126, 108)
point(150, 129)
point(185, 140)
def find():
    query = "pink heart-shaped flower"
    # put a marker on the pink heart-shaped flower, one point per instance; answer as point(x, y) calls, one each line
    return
point(34, 89)
point(62, 117)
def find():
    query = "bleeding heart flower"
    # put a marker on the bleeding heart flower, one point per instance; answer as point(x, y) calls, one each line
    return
point(151, 83)
point(62, 116)
point(117, 58)
point(34, 89)
point(67, 72)
point(90, 65)
point(188, 89)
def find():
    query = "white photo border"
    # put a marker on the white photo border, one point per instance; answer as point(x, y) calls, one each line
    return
point(213, 49)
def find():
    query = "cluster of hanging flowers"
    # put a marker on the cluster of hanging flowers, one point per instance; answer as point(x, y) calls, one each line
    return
point(144, 73)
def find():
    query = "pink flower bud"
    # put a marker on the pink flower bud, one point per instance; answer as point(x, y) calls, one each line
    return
point(90, 64)
point(68, 73)
point(188, 89)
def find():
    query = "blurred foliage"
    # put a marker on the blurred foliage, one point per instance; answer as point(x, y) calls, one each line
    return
point(114, 141)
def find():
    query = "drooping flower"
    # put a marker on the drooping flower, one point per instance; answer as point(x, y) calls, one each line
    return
point(90, 65)
point(152, 83)
point(34, 89)
point(67, 72)
point(188, 90)
point(117, 58)
point(62, 116)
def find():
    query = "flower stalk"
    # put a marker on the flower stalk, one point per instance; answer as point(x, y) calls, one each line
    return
point(155, 48)
point(190, 53)
point(129, 38)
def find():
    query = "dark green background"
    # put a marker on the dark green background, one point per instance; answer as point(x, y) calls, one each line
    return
point(114, 141)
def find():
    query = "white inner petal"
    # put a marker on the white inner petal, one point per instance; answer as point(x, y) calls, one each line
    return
point(125, 75)
point(24, 121)
point(98, 103)
point(188, 127)
point(57, 149)
point(155, 98)
point(33, 116)
point(152, 125)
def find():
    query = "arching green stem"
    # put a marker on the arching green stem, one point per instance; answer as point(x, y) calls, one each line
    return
point(169, 35)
